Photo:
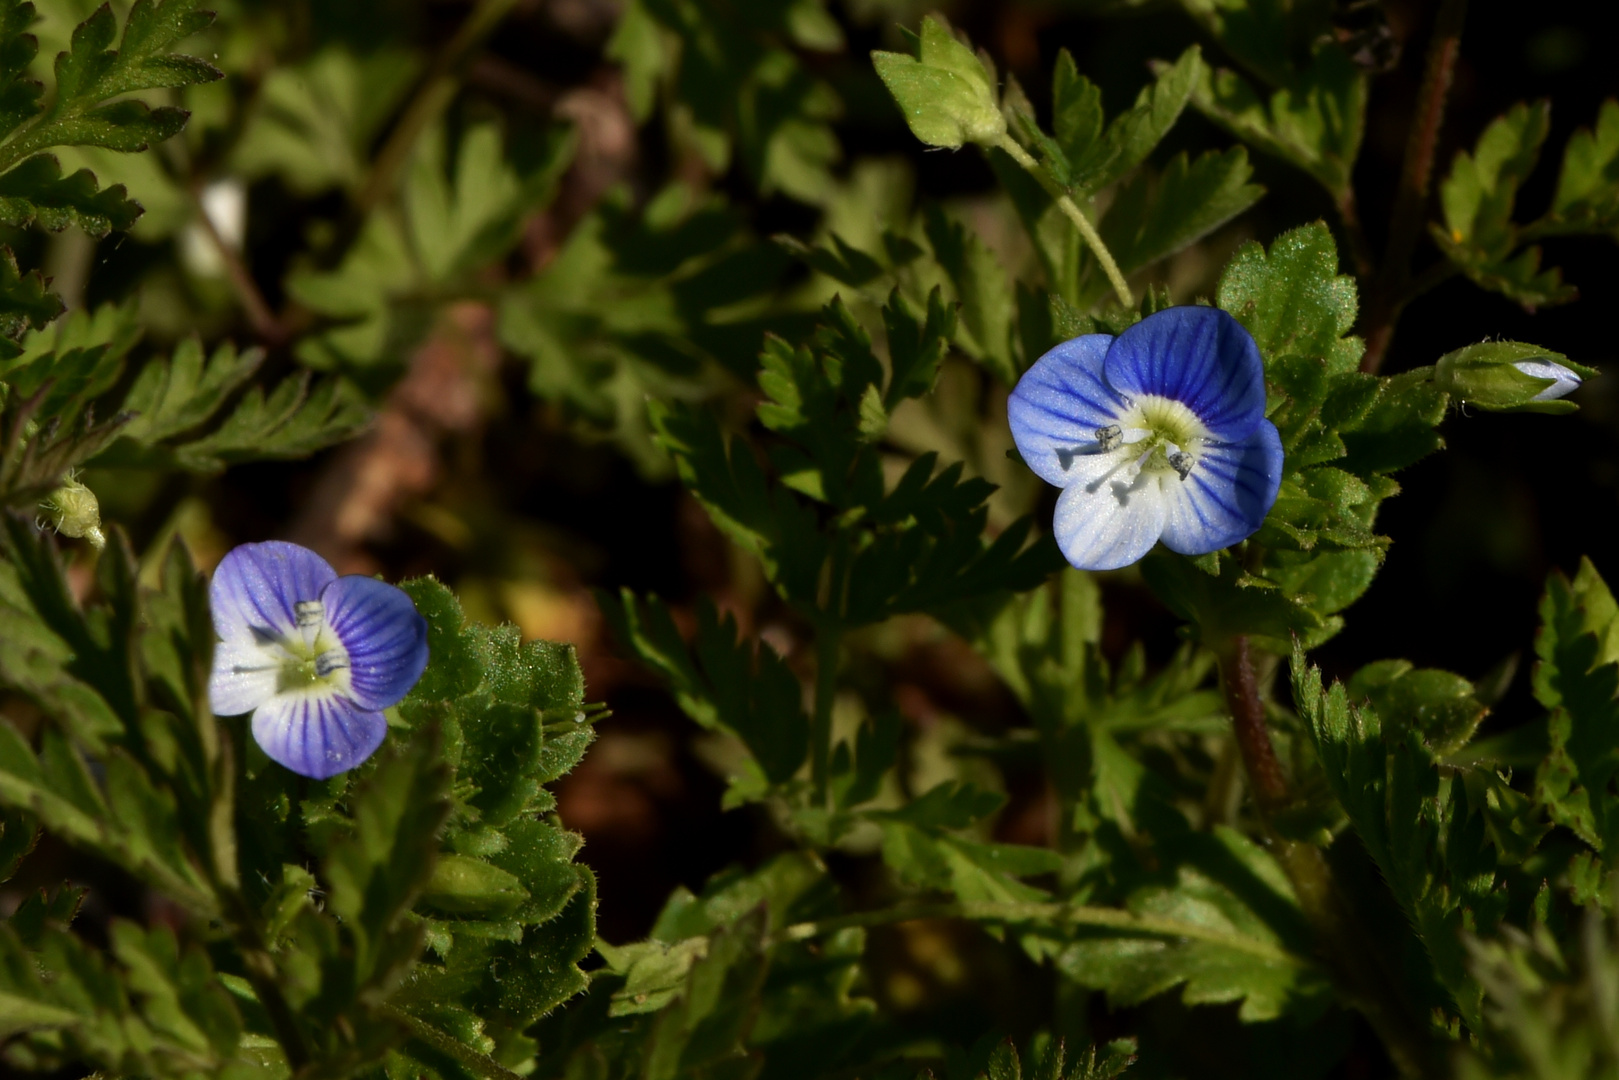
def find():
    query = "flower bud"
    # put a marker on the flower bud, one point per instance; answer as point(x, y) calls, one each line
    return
point(1510, 376)
point(946, 93)
point(73, 510)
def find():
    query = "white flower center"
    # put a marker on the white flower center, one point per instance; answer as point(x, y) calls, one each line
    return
point(312, 660)
point(1154, 436)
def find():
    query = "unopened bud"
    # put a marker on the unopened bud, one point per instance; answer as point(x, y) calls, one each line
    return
point(73, 510)
point(1510, 376)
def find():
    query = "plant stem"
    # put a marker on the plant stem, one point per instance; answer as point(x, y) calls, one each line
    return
point(1074, 214)
point(1079, 914)
point(254, 306)
point(480, 1065)
point(1368, 987)
point(828, 638)
point(1387, 294)
point(435, 94)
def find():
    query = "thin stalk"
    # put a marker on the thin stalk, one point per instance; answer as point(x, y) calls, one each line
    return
point(1368, 987)
point(1077, 914)
point(434, 96)
point(254, 306)
point(828, 639)
point(480, 1065)
point(1387, 294)
point(1074, 214)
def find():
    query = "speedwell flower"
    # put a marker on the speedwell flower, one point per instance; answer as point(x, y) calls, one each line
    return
point(313, 656)
point(1157, 434)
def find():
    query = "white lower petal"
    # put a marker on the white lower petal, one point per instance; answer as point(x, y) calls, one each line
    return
point(1105, 517)
point(244, 677)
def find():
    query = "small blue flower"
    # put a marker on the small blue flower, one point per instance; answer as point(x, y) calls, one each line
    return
point(1158, 434)
point(313, 656)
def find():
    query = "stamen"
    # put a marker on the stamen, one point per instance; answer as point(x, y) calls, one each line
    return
point(1110, 437)
point(330, 661)
point(1182, 463)
point(309, 612)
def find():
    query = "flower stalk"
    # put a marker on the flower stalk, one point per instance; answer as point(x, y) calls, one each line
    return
point(1072, 211)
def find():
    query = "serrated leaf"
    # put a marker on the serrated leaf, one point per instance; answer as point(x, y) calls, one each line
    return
point(1313, 120)
point(1156, 216)
point(721, 681)
point(1478, 198)
point(946, 96)
point(36, 192)
point(1237, 952)
point(1587, 197)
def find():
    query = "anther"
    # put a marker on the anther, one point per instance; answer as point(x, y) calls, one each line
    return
point(1110, 436)
point(309, 612)
point(1182, 463)
point(330, 661)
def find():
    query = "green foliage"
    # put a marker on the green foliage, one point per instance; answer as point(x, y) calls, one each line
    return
point(1479, 196)
point(1414, 817)
point(736, 91)
point(656, 303)
point(909, 546)
point(189, 412)
point(89, 106)
point(462, 208)
point(1577, 679)
point(945, 91)
point(1309, 106)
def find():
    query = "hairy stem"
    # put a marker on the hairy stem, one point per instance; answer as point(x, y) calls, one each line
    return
point(1388, 290)
point(480, 1065)
point(1369, 988)
point(1074, 214)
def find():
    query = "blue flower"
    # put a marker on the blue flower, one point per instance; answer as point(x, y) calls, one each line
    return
point(313, 656)
point(1157, 434)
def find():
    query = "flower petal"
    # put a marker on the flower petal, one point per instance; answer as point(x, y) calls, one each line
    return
point(1226, 495)
point(1199, 356)
point(384, 635)
point(244, 677)
point(257, 587)
point(317, 734)
point(1104, 522)
point(1058, 405)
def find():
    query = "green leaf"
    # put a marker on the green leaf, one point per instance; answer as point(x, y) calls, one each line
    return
point(1293, 300)
point(36, 192)
point(93, 73)
point(1438, 705)
point(985, 294)
point(720, 680)
point(25, 303)
point(1248, 946)
point(1314, 120)
point(1156, 216)
point(1578, 680)
point(945, 93)
point(1416, 820)
point(1478, 198)
point(313, 124)
point(1587, 198)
